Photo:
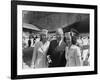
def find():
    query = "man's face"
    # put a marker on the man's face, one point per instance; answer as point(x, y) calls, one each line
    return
point(58, 36)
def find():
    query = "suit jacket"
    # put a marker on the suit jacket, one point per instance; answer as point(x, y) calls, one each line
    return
point(57, 54)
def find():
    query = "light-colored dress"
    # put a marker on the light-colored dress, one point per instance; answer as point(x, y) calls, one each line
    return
point(39, 59)
point(73, 56)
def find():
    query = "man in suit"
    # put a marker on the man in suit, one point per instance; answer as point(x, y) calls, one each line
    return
point(56, 50)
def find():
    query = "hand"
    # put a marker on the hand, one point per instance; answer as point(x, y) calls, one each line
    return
point(32, 66)
point(49, 59)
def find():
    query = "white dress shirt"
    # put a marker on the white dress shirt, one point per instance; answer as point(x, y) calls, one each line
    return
point(60, 42)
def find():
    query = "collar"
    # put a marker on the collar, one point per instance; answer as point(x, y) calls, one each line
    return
point(60, 42)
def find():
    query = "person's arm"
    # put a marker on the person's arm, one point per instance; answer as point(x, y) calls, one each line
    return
point(34, 55)
point(66, 53)
point(78, 57)
point(45, 48)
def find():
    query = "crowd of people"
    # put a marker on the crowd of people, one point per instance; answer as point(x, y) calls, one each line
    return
point(60, 50)
point(30, 40)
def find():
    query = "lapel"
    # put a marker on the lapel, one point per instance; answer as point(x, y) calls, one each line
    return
point(61, 46)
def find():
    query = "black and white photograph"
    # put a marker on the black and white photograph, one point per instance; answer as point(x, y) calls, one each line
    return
point(55, 40)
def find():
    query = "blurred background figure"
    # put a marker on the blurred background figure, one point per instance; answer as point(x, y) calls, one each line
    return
point(86, 51)
point(79, 41)
point(37, 39)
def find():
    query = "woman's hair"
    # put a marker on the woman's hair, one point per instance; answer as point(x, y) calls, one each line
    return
point(64, 39)
point(41, 38)
point(74, 40)
point(43, 32)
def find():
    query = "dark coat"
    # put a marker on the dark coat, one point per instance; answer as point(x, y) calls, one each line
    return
point(57, 54)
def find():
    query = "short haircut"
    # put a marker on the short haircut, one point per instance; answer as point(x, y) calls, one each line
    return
point(60, 31)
